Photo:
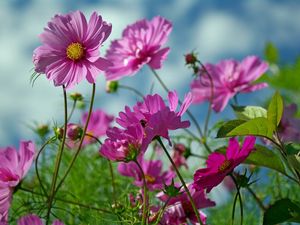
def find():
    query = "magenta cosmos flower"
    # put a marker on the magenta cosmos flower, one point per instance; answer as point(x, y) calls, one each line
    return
point(229, 78)
point(219, 165)
point(13, 167)
point(155, 116)
point(180, 210)
point(98, 124)
point(289, 127)
point(155, 178)
point(123, 144)
point(70, 49)
point(32, 219)
point(141, 43)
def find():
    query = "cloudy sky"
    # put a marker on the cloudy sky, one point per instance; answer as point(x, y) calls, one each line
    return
point(216, 29)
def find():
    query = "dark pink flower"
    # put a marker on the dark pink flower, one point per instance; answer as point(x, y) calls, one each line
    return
point(123, 145)
point(13, 167)
point(74, 131)
point(141, 44)
point(289, 127)
point(155, 178)
point(98, 124)
point(70, 49)
point(219, 165)
point(180, 210)
point(32, 219)
point(229, 77)
point(156, 118)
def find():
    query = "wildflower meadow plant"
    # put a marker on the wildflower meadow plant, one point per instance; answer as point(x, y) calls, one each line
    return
point(146, 164)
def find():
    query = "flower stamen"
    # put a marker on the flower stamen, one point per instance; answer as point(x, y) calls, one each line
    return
point(75, 51)
point(224, 166)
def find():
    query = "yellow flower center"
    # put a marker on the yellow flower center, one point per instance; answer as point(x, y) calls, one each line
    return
point(75, 51)
point(149, 178)
point(225, 165)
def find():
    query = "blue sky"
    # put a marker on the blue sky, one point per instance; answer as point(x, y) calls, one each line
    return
point(216, 29)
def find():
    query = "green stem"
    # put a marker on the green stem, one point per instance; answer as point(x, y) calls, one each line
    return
point(182, 181)
point(145, 199)
point(187, 111)
point(131, 89)
point(72, 110)
point(161, 211)
point(210, 100)
point(240, 200)
point(58, 158)
point(112, 180)
point(258, 201)
point(88, 206)
point(37, 160)
point(81, 140)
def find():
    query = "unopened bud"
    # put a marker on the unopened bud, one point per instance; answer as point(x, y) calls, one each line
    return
point(59, 132)
point(191, 59)
point(42, 130)
point(74, 132)
point(112, 86)
point(76, 96)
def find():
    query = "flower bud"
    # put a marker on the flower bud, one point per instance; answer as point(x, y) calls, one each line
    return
point(74, 132)
point(190, 58)
point(59, 132)
point(112, 86)
point(76, 96)
point(171, 190)
point(42, 130)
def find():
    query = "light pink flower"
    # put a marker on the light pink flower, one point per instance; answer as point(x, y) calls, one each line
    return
point(70, 49)
point(155, 178)
point(13, 167)
point(178, 156)
point(98, 124)
point(123, 145)
point(156, 118)
point(219, 165)
point(141, 44)
point(32, 219)
point(180, 210)
point(229, 77)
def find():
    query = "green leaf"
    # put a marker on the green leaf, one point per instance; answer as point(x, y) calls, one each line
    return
point(292, 148)
point(228, 126)
point(271, 53)
point(262, 156)
point(281, 211)
point(275, 109)
point(258, 127)
point(249, 112)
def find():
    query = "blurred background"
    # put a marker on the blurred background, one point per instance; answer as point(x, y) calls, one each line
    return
point(215, 29)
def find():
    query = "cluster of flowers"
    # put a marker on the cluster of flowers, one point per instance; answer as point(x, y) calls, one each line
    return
point(70, 53)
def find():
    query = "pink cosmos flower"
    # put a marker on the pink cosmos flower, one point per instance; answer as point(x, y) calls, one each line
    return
point(289, 127)
point(156, 118)
point(13, 167)
point(155, 178)
point(141, 44)
point(179, 208)
point(98, 124)
point(32, 219)
point(123, 145)
point(70, 49)
point(229, 77)
point(219, 165)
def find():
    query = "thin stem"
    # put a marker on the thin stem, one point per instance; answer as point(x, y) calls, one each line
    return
point(182, 181)
point(58, 157)
point(36, 163)
point(198, 156)
point(88, 206)
point(187, 111)
point(81, 140)
point(145, 199)
point(131, 89)
point(258, 201)
point(162, 210)
point(240, 200)
point(112, 180)
point(210, 100)
point(72, 110)
point(95, 138)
